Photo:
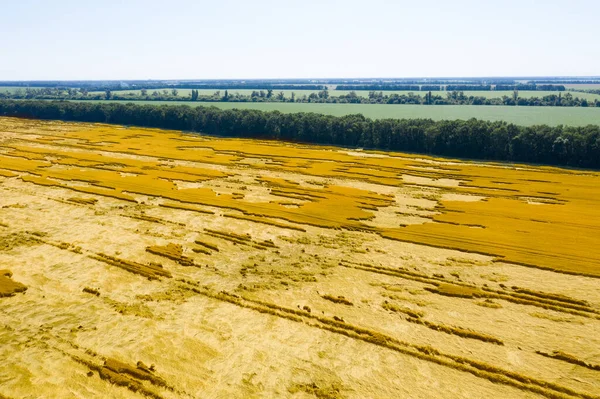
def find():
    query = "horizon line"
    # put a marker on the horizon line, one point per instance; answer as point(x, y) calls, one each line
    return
point(575, 77)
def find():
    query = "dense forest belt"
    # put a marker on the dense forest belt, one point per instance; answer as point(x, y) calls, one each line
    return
point(560, 145)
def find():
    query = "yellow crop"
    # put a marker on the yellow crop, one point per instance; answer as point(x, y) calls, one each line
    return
point(535, 216)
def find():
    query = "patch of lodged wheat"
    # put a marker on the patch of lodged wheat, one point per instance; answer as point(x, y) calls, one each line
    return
point(241, 239)
point(331, 391)
point(534, 216)
point(264, 220)
point(458, 331)
point(125, 375)
point(459, 291)
point(416, 314)
point(9, 287)
point(171, 251)
point(140, 372)
point(92, 291)
point(338, 299)
point(152, 271)
point(565, 357)
point(83, 201)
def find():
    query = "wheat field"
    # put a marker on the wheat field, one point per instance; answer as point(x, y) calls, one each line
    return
point(149, 263)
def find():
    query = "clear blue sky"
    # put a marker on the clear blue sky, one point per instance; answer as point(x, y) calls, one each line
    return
point(176, 39)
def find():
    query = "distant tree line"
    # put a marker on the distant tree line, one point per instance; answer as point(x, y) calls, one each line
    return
point(389, 87)
point(531, 87)
point(299, 84)
point(431, 88)
point(551, 100)
point(570, 81)
point(395, 82)
point(379, 87)
point(323, 96)
point(477, 139)
point(92, 85)
point(244, 86)
point(453, 87)
point(591, 91)
point(469, 87)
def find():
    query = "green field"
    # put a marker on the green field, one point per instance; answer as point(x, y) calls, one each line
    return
point(526, 116)
point(584, 86)
point(4, 89)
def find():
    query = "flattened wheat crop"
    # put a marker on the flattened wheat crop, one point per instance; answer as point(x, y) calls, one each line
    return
point(246, 268)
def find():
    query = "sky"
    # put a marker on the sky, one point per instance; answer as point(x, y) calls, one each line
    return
point(254, 39)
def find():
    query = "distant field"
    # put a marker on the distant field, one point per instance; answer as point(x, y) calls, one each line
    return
point(584, 86)
point(365, 93)
point(4, 89)
point(526, 116)
point(14, 88)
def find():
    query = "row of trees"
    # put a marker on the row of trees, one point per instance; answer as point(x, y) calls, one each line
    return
point(531, 87)
point(552, 100)
point(94, 85)
point(422, 81)
point(560, 145)
point(453, 87)
point(591, 91)
point(380, 87)
point(229, 84)
point(569, 81)
point(323, 96)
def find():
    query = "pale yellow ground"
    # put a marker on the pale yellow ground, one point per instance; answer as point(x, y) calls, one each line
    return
point(207, 328)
